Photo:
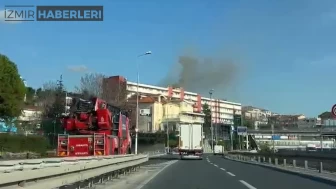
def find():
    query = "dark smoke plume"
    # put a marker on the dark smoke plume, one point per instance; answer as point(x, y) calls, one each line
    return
point(200, 76)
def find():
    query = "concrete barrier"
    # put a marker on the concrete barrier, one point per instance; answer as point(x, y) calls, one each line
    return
point(57, 172)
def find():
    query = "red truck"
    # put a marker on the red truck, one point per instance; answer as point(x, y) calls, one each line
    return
point(94, 128)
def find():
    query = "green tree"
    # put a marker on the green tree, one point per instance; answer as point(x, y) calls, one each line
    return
point(12, 89)
point(30, 96)
point(248, 123)
point(207, 119)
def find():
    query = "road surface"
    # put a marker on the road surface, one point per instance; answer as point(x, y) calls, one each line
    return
point(217, 172)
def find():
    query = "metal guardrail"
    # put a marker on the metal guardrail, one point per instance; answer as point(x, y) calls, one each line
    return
point(315, 169)
point(289, 130)
point(314, 158)
point(57, 172)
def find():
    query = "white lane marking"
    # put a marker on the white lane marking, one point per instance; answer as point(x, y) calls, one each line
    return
point(230, 174)
point(247, 184)
point(222, 169)
point(154, 175)
point(215, 165)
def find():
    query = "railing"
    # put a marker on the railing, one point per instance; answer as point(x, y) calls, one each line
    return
point(57, 172)
point(313, 130)
point(325, 169)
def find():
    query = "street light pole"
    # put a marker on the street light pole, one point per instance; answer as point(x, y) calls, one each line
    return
point(321, 139)
point(137, 103)
point(273, 138)
point(211, 126)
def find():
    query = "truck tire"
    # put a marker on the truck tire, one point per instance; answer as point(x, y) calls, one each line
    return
point(129, 151)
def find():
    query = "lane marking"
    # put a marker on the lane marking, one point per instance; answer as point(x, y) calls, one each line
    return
point(230, 174)
point(247, 184)
point(155, 174)
point(215, 165)
point(223, 169)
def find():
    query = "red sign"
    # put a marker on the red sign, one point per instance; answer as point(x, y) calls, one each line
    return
point(333, 110)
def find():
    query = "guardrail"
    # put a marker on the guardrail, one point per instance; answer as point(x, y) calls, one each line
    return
point(57, 172)
point(315, 169)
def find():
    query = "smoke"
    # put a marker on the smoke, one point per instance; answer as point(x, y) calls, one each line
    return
point(200, 75)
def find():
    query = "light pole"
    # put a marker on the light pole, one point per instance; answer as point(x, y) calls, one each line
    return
point(272, 125)
point(137, 103)
point(321, 139)
point(211, 126)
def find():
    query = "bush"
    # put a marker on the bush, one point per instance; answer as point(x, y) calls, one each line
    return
point(18, 143)
point(265, 148)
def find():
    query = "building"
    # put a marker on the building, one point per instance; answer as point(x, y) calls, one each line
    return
point(257, 116)
point(327, 119)
point(177, 112)
point(118, 90)
point(308, 123)
point(222, 111)
point(285, 121)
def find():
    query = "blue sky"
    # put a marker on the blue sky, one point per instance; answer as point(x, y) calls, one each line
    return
point(286, 49)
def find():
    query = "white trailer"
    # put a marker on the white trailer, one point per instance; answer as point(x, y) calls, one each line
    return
point(218, 150)
point(191, 140)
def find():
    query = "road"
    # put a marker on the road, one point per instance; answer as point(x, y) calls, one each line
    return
point(217, 172)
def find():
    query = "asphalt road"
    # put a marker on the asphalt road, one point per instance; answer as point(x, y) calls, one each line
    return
point(217, 172)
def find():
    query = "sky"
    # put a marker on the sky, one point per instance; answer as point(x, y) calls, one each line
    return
point(286, 49)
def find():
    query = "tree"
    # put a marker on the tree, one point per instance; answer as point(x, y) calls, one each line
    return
point(12, 89)
point(91, 85)
point(207, 119)
point(46, 98)
point(248, 123)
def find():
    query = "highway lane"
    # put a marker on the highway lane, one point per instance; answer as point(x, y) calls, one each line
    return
point(193, 174)
point(217, 172)
point(264, 178)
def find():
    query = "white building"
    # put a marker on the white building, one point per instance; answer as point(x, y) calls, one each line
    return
point(307, 123)
point(222, 111)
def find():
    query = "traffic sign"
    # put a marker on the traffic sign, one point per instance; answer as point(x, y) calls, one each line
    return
point(333, 110)
point(241, 130)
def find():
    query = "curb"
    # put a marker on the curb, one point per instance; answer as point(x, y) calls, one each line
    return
point(293, 172)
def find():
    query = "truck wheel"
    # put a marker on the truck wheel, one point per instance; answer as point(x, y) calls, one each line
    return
point(129, 151)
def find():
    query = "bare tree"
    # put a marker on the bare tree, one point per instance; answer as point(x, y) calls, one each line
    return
point(47, 96)
point(91, 85)
point(112, 89)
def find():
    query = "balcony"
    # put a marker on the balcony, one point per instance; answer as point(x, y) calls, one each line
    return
point(185, 118)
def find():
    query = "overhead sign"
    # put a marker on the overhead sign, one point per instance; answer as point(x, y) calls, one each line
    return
point(333, 110)
point(241, 130)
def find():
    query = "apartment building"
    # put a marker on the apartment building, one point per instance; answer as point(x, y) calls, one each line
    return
point(257, 116)
point(285, 121)
point(222, 111)
point(117, 89)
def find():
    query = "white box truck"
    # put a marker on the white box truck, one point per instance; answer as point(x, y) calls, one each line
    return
point(191, 140)
point(218, 150)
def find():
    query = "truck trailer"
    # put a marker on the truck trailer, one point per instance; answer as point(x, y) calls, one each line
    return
point(190, 141)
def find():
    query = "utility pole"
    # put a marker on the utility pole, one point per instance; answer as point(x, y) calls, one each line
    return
point(167, 122)
point(273, 138)
point(211, 125)
point(321, 139)
point(137, 102)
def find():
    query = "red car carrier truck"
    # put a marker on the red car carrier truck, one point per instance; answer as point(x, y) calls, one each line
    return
point(94, 128)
